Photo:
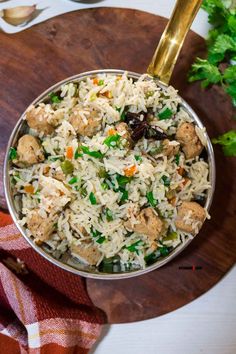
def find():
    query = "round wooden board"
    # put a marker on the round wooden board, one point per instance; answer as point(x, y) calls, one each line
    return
point(75, 42)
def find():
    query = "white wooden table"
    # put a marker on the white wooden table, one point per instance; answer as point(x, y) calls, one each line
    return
point(208, 324)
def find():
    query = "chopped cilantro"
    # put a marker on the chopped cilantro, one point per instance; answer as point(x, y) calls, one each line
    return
point(95, 154)
point(133, 246)
point(165, 114)
point(12, 153)
point(138, 158)
point(124, 196)
point(73, 180)
point(164, 251)
point(122, 180)
point(177, 158)
point(92, 198)
point(166, 180)
point(77, 153)
point(112, 140)
point(152, 201)
point(55, 98)
point(98, 235)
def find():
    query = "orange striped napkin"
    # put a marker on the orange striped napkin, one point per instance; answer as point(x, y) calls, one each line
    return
point(43, 309)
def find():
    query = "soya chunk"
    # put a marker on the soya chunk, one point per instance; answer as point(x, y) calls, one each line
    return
point(149, 224)
point(189, 140)
point(29, 150)
point(190, 217)
point(40, 228)
point(85, 125)
point(37, 119)
point(88, 254)
point(170, 148)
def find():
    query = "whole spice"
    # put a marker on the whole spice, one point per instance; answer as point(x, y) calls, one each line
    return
point(140, 128)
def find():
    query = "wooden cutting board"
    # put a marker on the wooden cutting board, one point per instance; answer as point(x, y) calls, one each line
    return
point(33, 60)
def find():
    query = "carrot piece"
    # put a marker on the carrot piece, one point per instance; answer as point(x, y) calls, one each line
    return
point(95, 81)
point(130, 171)
point(29, 189)
point(69, 152)
point(111, 132)
point(107, 94)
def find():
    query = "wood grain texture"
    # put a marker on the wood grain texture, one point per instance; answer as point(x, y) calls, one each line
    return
point(90, 39)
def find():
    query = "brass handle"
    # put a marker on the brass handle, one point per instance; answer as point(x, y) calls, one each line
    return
point(172, 39)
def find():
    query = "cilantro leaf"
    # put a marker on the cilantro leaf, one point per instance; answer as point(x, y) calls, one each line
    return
point(95, 154)
point(112, 141)
point(165, 114)
point(133, 246)
point(228, 142)
point(55, 98)
point(203, 70)
point(12, 153)
point(92, 198)
point(152, 201)
point(222, 45)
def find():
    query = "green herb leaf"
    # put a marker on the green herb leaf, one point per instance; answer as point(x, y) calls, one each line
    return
point(152, 201)
point(165, 114)
point(100, 82)
point(151, 258)
point(125, 195)
point(122, 114)
point(112, 141)
point(221, 46)
point(164, 251)
point(123, 180)
point(138, 158)
point(77, 154)
point(101, 239)
point(95, 233)
point(133, 247)
point(73, 180)
point(98, 235)
point(92, 198)
point(67, 167)
point(203, 70)
point(166, 180)
point(177, 158)
point(95, 154)
point(55, 98)
point(228, 142)
point(12, 153)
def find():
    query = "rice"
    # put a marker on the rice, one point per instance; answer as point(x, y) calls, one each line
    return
point(113, 176)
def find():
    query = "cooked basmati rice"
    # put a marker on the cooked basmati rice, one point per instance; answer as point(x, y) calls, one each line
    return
point(79, 210)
